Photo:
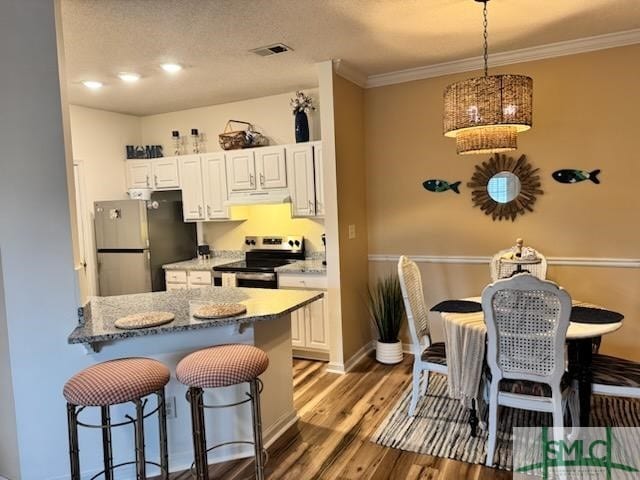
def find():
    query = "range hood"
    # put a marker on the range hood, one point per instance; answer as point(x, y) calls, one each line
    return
point(258, 198)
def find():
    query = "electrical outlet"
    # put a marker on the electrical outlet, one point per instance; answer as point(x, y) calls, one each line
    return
point(171, 407)
point(352, 231)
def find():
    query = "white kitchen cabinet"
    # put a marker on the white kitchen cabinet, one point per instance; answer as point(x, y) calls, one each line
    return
point(316, 335)
point(271, 168)
point(199, 278)
point(183, 279)
point(139, 174)
point(301, 180)
point(241, 170)
point(156, 173)
point(166, 174)
point(192, 189)
point(297, 328)
point(215, 185)
point(309, 324)
point(318, 171)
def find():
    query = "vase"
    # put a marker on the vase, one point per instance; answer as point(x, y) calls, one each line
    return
point(302, 127)
point(389, 353)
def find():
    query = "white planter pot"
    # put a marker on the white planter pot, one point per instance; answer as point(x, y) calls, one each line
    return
point(389, 353)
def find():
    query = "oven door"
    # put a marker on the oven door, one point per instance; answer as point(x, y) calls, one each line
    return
point(250, 279)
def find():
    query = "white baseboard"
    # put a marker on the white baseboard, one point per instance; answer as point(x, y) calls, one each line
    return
point(353, 361)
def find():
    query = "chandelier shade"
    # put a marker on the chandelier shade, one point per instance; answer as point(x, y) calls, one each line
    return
point(493, 100)
point(487, 140)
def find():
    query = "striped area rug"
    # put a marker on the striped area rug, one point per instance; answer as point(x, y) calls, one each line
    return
point(441, 425)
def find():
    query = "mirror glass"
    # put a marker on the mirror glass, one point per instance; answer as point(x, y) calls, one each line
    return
point(503, 187)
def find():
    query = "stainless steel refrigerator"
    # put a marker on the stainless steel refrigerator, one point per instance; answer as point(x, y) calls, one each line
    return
point(134, 238)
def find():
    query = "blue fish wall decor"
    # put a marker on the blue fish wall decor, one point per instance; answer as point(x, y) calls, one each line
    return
point(569, 175)
point(440, 186)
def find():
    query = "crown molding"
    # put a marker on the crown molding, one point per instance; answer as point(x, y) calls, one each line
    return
point(349, 72)
point(477, 260)
point(551, 50)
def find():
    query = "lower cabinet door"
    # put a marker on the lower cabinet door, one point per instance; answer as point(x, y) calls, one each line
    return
point(317, 336)
point(176, 286)
point(297, 327)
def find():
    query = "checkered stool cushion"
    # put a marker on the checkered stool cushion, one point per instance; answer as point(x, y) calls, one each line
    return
point(222, 366)
point(116, 381)
point(435, 353)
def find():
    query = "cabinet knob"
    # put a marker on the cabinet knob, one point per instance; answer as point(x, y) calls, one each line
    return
point(155, 180)
point(199, 210)
point(251, 180)
point(311, 206)
point(262, 180)
point(209, 210)
point(147, 180)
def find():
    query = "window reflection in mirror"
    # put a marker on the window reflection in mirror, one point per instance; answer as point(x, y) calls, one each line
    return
point(503, 187)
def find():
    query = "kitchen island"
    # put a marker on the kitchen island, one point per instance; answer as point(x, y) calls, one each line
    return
point(266, 324)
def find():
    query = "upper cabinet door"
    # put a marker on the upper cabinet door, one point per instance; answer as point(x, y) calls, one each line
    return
point(271, 168)
point(192, 192)
point(215, 185)
point(301, 180)
point(139, 174)
point(319, 177)
point(241, 170)
point(165, 174)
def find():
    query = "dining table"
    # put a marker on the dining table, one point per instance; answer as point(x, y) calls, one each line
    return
point(465, 334)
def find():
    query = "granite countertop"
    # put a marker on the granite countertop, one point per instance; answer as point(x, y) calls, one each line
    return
point(200, 265)
point(100, 313)
point(304, 266)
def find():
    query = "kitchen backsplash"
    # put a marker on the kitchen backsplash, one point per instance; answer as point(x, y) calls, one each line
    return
point(264, 220)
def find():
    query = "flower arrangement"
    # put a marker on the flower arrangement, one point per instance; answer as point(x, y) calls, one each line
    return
point(301, 103)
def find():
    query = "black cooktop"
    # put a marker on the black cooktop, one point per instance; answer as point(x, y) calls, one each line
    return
point(252, 265)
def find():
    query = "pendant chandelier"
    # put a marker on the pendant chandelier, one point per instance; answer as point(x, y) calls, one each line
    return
point(485, 114)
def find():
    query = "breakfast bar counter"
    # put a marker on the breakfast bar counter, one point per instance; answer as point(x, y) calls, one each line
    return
point(266, 324)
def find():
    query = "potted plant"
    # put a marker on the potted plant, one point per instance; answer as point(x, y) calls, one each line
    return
point(387, 310)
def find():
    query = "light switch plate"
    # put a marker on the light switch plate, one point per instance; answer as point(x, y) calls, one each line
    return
point(352, 231)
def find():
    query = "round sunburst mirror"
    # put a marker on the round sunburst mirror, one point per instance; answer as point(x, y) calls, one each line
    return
point(504, 187)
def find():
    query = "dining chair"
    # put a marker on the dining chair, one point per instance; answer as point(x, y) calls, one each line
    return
point(527, 320)
point(501, 269)
point(615, 376)
point(427, 356)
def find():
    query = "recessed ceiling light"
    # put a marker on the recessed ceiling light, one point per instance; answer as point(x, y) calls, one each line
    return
point(92, 84)
point(129, 77)
point(171, 67)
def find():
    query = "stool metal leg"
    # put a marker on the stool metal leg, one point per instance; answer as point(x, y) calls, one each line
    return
point(194, 395)
point(107, 453)
point(162, 428)
point(74, 451)
point(257, 427)
point(141, 473)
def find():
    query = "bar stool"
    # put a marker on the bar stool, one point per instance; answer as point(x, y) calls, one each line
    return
point(216, 367)
point(110, 383)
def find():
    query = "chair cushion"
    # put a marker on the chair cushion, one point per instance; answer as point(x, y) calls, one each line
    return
point(116, 381)
point(222, 366)
point(527, 387)
point(435, 353)
point(615, 371)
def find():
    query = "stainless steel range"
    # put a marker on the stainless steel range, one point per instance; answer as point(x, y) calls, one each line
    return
point(262, 257)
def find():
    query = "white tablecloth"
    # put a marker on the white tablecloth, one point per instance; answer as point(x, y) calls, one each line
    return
point(464, 335)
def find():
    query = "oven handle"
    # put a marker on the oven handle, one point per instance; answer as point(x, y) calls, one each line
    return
point(266, 277)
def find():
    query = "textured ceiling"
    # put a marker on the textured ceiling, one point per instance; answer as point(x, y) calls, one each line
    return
point(211, 38)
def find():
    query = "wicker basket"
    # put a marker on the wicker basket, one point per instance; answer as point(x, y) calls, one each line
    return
point(235, 139)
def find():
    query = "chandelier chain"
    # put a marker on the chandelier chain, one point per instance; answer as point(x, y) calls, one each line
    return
point(485, 24)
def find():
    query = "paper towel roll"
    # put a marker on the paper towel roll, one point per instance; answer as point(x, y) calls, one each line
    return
point(229, 280)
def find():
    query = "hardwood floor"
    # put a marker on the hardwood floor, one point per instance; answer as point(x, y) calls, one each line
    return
point(338, 414)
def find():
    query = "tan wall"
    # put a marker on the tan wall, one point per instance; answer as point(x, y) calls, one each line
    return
point(352, 208)
point(585, 111)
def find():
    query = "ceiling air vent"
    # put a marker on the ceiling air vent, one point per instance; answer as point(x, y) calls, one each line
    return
point(274, 49)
